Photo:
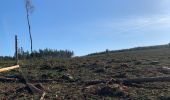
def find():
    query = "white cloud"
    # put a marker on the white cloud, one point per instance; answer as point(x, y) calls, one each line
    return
point(136, 24)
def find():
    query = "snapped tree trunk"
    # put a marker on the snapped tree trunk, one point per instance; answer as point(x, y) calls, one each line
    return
point(16, 49)
point(29, 26)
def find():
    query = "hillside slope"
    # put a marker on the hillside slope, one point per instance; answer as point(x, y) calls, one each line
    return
point(71, 73)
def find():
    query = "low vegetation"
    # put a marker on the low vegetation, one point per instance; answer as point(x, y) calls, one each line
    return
point(67, 76)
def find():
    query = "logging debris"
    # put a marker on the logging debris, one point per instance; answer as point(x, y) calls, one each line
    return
point(9, 68)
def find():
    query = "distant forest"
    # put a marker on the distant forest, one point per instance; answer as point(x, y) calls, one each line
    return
point(131, 49)
point(42, 53)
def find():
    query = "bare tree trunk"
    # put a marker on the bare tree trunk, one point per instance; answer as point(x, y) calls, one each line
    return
point(29, 26)
point(16, 49)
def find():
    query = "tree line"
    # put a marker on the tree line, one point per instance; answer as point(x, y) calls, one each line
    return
point(45, 53)
point(41, 53)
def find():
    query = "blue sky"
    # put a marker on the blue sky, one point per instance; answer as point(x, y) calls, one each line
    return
point(85, 26)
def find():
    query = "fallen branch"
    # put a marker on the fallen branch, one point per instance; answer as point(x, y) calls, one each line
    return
point(34, 89)
point(93, 82)
point(165, 70)
point(4, 79)
point(9, 68)
point(129, 81)
point(31, 88)
point(44, 81)
point(20, 79)
point(20, 90)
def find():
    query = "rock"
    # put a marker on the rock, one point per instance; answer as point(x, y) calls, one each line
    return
point(100, 70)
point(124, 65)
point(165, 70)
point(154, 62)
point(111, 61)
point(67, 77)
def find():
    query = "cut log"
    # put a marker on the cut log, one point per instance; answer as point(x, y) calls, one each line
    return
point(147, 79)
point(129, 81)
point(9, 68)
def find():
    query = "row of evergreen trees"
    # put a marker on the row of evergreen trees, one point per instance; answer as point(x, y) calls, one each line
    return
point(6, 58)
point(42, 53)
point(45, 53)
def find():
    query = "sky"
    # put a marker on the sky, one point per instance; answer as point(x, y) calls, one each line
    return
point(85, 26)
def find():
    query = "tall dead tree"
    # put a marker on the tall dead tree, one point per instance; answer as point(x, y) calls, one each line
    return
point(29, 9)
